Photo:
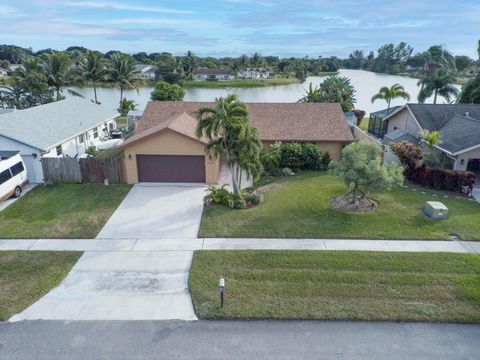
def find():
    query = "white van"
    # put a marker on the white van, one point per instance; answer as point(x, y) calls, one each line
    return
point(13, 177)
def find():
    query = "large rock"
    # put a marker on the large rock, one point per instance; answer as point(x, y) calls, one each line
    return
point(436, 210)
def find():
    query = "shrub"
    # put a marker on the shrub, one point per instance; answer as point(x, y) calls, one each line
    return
point(303, 156)
point(92, 151)
point(410, 156)
point(222, 196)
point(165, 91)
point(460, 182)
point(219, 195)
point(270, 158)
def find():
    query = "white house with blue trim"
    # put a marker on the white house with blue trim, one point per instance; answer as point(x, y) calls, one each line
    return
point(62, 128)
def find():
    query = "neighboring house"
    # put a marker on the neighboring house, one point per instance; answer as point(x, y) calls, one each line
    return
point(62, 128)
point(165, 148)
point(147, 72)
point(256, 74)
point(3, 72)
point(459, 127)
point(213, 74)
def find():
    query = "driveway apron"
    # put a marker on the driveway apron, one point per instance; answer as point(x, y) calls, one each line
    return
point(120, 286)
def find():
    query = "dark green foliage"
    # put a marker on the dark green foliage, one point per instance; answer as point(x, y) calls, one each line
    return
point(471, 92)
point(167, 92)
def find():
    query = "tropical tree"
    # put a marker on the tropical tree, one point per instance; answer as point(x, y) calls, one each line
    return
point(360, 168)
point(470, 92)
point(56, 68)
point(167, 92)
point(93, 69)
point(312, 95)
point(390, 93)
point(334, 89)
point(431, 139)
point(229, 134)
point(126, 106)
point(189, 63)
point(12, 97)
point(440, 82)
point(123, 72)
point(256, 61)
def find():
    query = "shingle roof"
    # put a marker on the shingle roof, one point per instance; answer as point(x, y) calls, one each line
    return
point(47, 125)
point(183, 124)
point(275, 121)
point(460, 133)
point(434, 117)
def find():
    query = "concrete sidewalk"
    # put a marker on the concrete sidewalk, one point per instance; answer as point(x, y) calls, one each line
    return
point(239, 244)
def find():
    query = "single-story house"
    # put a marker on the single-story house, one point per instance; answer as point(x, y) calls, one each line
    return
point(62, 128)
point(459, 127)
point(213, 74)
point(257, 74)
point(146, 71)
point(165, 148)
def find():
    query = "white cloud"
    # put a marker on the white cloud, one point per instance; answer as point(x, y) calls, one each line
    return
point(110, 5)
point(8, 10)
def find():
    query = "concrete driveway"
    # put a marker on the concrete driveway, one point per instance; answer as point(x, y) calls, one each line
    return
point(157, 211)
point(120, 286)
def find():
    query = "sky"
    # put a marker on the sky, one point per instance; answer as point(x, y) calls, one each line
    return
point(233, 27)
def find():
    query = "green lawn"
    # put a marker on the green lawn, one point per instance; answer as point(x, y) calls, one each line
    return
point(242, 83)
point(299, 207)
point(25, 276)
point(364, 123)
point(61, 211)
point(337, 285)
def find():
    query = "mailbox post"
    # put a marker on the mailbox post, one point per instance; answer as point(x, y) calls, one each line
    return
point(222, 290)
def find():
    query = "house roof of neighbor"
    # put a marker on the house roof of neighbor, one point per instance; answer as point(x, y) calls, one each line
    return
point(383, 113)
point(313, 122)
point(460, 133)
point(46, 126)
point(398, 136)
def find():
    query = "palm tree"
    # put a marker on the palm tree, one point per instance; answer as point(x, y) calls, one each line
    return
point(431, 139)
point(235, 66)
point(56, 68)
point(93, 69)
point(12, 96)
point(123, 72)
point(390, 93)
point(126, 106)
point(255, 62)
point(312, 95)
point(229, 134)
point(438, 83)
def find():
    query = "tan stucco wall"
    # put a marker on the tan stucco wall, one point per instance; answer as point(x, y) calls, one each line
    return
point(168, 143)
point(404, 121)
point(334, 148)
point(473, 154)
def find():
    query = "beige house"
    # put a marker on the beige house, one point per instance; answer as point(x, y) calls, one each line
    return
point(165, 148)
point(459, 126)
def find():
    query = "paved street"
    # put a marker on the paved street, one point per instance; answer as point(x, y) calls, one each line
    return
point(237, 340)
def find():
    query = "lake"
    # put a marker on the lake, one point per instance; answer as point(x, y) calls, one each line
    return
point(366, 83)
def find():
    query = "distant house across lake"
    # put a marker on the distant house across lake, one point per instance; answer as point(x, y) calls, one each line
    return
point(213, 74)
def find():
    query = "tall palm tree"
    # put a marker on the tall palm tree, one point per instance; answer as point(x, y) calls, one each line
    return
point(56, 67)
point(123, 72)
point(390, 93)
point(12, 96)
point(93, 69)
point(255, 62)
point(440, 82)
point(229, 134)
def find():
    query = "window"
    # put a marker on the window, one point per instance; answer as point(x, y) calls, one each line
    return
point(81, 138)
point(17, 169)
point(59, 150)
point(5, 176)
point(95, 133)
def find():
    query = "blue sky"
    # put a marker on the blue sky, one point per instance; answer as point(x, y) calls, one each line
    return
point(233, 27)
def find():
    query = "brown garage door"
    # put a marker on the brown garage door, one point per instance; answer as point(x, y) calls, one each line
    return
point(171, 168)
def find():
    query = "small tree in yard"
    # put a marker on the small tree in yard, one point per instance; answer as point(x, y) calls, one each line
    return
point(361, 168)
